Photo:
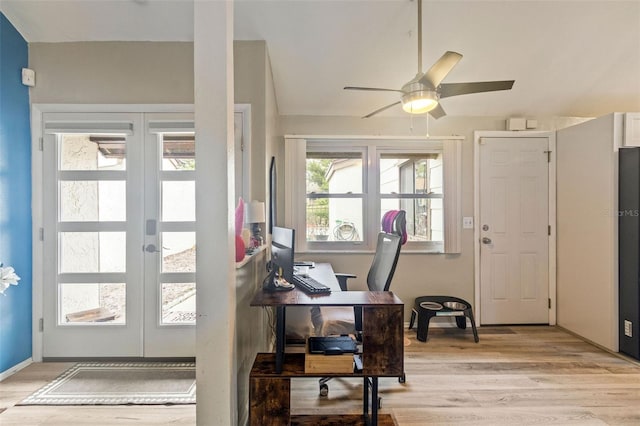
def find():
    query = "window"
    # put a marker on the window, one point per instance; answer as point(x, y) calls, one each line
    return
point(413, 182)
point(334, 207)
point(338, 190)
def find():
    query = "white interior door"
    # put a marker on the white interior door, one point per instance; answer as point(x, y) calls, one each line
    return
point(119, 235)
point(514, 228)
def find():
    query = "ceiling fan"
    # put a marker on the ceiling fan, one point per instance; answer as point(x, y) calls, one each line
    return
point(423, 93)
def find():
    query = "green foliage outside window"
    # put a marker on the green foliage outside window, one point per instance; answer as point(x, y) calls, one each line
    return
point(318, 208)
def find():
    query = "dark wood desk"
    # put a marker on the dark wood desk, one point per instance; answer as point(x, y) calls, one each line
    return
point(382, 342)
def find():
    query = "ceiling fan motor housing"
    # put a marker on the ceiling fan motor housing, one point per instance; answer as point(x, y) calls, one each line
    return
point(418, 98)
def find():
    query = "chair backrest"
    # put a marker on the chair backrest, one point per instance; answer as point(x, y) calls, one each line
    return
point(384, 262)
point(395, 222)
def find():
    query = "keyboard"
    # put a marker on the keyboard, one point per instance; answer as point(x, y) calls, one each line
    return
point(309, 285)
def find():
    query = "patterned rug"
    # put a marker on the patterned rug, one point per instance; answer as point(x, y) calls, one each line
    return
point(118, 383)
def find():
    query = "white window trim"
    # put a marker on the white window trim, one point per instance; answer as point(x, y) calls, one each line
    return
point(295, 188)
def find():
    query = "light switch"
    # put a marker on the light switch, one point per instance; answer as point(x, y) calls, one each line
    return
point(467, 222)
point(28, 77)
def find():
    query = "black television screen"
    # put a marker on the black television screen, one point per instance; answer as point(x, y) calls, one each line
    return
point(282, 252)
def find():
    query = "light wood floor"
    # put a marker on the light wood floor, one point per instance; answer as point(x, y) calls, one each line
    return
point(514, 376)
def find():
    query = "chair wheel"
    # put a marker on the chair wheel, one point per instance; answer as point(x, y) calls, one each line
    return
point(403, 378)
point(324, 389)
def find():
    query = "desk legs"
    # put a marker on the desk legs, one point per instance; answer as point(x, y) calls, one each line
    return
point(370, 382)
point(280, 338)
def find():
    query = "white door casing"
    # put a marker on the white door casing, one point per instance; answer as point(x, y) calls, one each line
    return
point(513, 230)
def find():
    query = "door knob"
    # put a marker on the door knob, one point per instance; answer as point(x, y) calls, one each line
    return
point(486, 240)
point(151, 248)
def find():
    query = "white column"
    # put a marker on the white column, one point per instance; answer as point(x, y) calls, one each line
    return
point(215, 276)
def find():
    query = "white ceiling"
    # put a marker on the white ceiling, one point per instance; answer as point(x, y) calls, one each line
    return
point(569, 58)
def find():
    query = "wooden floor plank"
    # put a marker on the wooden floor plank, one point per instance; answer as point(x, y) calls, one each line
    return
point(514, 375)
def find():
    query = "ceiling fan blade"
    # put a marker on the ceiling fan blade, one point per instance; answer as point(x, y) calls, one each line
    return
point(381, 109)
point(437, 112)
point(441, 68)
point(372, 89)
point(455, 89)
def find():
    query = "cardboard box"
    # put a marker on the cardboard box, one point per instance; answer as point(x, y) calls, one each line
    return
point(320, 363)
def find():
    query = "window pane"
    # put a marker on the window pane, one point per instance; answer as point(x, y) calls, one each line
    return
point(178, 201)
point(411, 173)
point(178, 152)
point(178, 303)
point(334, 219)
point(339, 173)
point(92, 152)
point(93, 201)
point(92, 252)
point(178, 252)
point(425, 219)
point(92, 303)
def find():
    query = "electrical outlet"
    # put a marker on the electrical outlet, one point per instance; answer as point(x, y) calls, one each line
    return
point(467, 222)
point(627, 329)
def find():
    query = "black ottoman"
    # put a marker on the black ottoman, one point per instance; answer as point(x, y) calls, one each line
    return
point(426, 307)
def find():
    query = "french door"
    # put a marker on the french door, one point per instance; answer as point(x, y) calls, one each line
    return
point(119, 235)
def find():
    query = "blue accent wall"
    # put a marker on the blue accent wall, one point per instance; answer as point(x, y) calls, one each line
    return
point(15, 197)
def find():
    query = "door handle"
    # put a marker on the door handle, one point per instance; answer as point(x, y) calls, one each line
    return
point(486, 240)
point(150, 248)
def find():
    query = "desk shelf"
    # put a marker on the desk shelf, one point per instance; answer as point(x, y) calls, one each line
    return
point(382, 356)
point(270, 395)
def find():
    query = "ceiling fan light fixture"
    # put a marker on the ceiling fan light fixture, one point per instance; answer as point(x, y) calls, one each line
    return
point(419, 102)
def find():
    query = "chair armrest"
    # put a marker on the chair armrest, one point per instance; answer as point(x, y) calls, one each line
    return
point(342, 280)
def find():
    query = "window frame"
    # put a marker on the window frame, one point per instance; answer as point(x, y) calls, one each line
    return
point(295, 187)
point(400, 149)
point(321, 147)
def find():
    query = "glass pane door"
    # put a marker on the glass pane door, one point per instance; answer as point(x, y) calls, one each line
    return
point(170, 214)
point(119, 235)
point(92, 256)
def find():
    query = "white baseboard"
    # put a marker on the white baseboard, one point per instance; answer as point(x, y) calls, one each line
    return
point(12, 370)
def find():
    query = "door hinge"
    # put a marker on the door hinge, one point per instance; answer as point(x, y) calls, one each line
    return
point(549, 303)
point(41, 324)
point(549, 230)
point(41, 144)
point(41, 234)
point(548, 155)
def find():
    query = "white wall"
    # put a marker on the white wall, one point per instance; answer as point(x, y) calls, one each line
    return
point(112, 72)
point(587, 247)
point(417, 274)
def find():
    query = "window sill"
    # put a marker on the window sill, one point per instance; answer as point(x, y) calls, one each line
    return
point(249, 257)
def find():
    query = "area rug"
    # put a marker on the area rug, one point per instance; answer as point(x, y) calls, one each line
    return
point(118, 383)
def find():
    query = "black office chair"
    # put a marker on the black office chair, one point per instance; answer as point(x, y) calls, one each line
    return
point(378, 279)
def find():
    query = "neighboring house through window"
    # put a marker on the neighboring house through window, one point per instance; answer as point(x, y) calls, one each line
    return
point(338, 189)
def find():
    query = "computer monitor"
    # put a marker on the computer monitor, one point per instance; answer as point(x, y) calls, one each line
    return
point(282, 252)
